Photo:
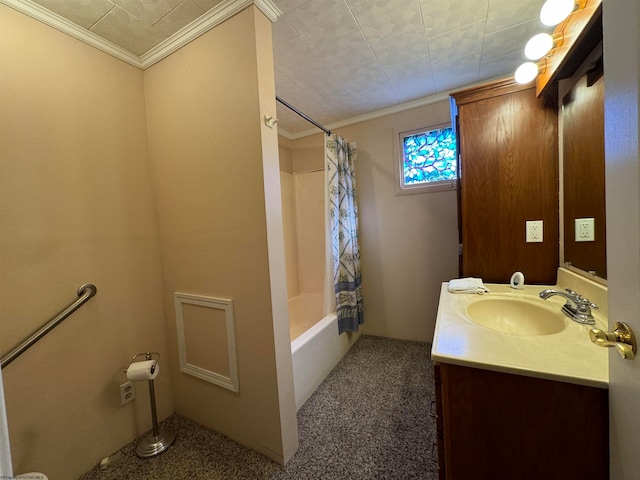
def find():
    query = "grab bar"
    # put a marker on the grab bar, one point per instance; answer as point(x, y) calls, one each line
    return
point(85, 292)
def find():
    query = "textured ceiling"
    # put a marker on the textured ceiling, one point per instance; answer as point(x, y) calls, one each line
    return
point(336, 59)
point(339, 59)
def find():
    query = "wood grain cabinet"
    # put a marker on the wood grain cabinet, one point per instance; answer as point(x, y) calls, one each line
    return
point(494, 426)
point(508, 146)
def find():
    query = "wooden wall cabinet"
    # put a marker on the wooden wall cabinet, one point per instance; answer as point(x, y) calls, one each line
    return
point(494, 425)
point(508, 146)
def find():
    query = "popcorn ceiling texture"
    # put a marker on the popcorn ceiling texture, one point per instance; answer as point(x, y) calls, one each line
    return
point(370, 419)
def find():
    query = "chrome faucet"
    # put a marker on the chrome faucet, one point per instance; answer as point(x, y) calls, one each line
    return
point(581, 313)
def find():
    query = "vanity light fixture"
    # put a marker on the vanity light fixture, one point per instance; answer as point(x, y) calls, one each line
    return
point(526, 72)
point(555, 11)
point(539, 46)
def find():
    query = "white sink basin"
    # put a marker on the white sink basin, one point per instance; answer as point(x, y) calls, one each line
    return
point(516, 316)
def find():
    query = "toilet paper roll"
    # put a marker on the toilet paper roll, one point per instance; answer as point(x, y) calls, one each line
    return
point(147, 370)
point(517, 281)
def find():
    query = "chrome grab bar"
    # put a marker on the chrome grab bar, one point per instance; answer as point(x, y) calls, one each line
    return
point(85, 292)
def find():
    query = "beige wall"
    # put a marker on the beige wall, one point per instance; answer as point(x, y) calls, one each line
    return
point(408, 242)
point(307, 153)
point(76, 206)
point(214, 164)
point(288, 424)
point(284, 153)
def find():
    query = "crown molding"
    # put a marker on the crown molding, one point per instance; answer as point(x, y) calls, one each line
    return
point(421, 102)
point(199, 26)
point(54, 20)
point(218, 14)
point(269, 8)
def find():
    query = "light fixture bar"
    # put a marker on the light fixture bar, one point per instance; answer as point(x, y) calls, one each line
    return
point(555, 11)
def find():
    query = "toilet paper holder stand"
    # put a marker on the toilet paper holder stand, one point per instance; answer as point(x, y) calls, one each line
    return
point(148, 356)
point(159, 439)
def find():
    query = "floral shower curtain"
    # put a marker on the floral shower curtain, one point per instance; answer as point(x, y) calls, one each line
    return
point(343, 232)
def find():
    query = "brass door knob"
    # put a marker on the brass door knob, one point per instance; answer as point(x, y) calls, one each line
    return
point(622, 338)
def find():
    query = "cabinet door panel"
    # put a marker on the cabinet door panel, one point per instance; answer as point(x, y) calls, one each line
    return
point(499, 425)
point(509, 174)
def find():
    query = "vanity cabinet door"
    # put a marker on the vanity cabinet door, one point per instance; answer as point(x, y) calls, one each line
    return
point(439, 422)
point(508, 176)
point(503, 426)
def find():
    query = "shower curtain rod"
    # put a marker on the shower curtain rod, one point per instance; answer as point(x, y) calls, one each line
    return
point(308, 119)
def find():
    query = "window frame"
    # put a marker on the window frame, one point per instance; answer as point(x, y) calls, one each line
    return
point(439, 186)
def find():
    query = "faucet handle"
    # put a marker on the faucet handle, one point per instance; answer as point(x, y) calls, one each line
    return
point(572, 293)
point(586, 303)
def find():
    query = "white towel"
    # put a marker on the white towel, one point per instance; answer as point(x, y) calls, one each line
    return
point(467, 285)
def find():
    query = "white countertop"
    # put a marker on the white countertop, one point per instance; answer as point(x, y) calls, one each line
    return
point(567, 356)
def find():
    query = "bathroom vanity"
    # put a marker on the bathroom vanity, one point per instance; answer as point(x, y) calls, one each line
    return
point(519, 399)
point(521, 391)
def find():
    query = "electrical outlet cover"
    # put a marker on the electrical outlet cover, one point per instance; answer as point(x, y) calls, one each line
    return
point(534, 231)
point(584, 230)
point(127, 392)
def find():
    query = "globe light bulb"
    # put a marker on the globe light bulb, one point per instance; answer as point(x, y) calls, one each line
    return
point(538, 46)
point(526, 72)
point(555, 11)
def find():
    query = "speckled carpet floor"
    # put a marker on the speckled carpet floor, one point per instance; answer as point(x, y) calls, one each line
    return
point(369, 420)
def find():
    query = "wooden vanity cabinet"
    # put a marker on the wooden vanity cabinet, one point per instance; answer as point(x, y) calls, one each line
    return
point(508, 151)
point(494, 426)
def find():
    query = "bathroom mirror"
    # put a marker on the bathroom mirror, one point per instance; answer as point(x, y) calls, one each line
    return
point(583, 178)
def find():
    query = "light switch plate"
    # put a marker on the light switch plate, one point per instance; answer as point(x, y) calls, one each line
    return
point(584, 230)
point(534, 231)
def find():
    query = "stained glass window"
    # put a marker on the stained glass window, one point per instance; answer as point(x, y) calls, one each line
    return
point(428, 157)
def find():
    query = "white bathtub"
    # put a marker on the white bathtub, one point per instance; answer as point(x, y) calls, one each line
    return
point(319, 349)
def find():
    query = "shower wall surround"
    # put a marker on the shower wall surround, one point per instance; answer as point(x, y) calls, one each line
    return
point(303, 192)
